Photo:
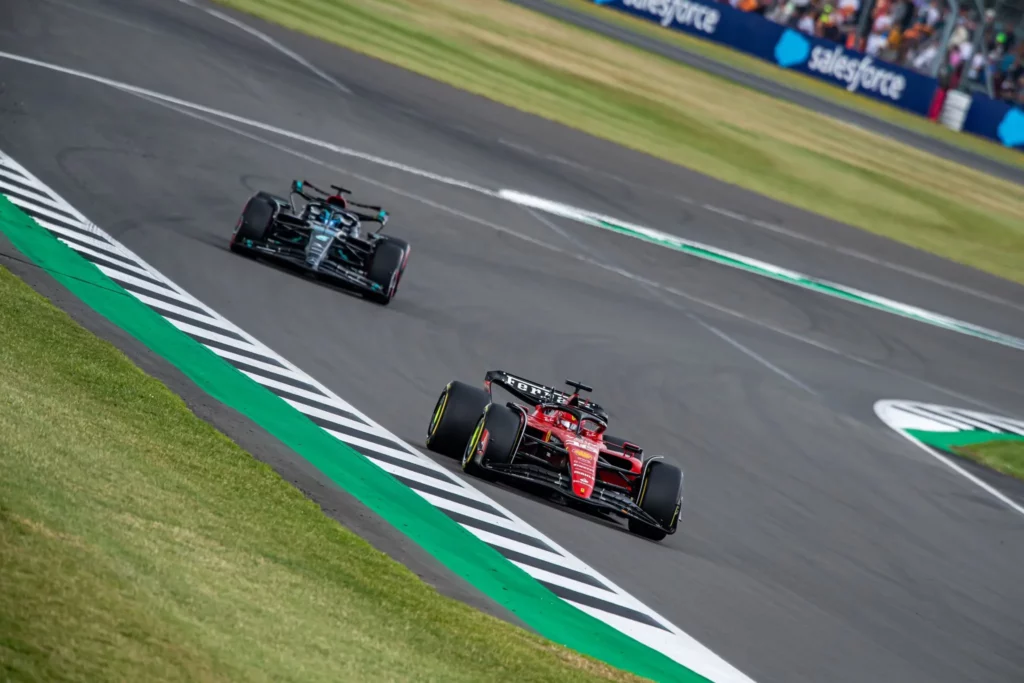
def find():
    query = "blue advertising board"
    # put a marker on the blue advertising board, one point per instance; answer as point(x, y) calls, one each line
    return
point(815, 57)
point(997, 120)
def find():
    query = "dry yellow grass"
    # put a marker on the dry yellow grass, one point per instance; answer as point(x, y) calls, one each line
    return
point(798, 81)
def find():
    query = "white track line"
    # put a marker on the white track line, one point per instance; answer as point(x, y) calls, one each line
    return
point(259, 35)
point(886, 410)
point(661, 296)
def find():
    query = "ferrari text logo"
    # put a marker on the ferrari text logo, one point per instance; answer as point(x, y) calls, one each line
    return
point(523, 386)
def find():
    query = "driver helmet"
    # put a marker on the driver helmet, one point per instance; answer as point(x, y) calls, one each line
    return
point(567, 420)
point(592, 429)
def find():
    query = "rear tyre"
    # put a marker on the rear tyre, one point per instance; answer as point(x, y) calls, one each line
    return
point(455, 416)
point(255, 222)
point(386, 269)
point(493, 441)
point(660, 496)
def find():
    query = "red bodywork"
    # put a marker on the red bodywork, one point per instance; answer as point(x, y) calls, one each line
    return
point(583, 444)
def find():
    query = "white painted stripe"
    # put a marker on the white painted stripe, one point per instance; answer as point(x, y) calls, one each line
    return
point(492, 539)
point(758, 267)
point(422, 479)
point(93, 229)
point(402, 454)
point(452, 506)
point(43, 199)
point(620, 599)
point(267, 367)
point(119, 276)
point(939, 416)
point(679, 647)
point(86, 228)
point(964, 418)
point(904, 419)
point(291, 389)
point(884, 409)
point(214, 337)
point(335, 418)
point(1009, 425)
point(259, 35)
point(990, 423)
point(974, 422)
point(296, 391)
point(19, 170)
point(9, 172)
point(12, 169)
point(242, 120)
point(12, 175)
point(159, 306)
point(95, 241)
point(458, 485)
point(99, 254)
point(37, 206)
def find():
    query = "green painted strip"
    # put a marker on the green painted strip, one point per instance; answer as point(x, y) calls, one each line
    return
point(821, 286)
point(750, 265)
point(451, 544)
point(949, 440)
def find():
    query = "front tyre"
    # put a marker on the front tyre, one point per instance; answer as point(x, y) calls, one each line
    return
point(493, 442)
point(254, 225)
point(455, 415)
point(660, 496)
point(386, 269)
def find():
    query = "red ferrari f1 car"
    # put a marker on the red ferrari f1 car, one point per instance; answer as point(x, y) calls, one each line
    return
point(556, 440)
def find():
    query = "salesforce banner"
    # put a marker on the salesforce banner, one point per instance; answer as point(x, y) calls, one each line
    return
point(821, 59)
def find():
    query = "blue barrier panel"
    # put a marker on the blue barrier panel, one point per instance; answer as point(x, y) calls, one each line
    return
point(997, 120)
point(815, 57)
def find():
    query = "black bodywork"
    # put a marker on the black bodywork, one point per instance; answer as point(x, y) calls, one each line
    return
point(324, 237)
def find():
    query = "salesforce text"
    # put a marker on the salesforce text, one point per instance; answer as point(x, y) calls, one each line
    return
point(857, 73)
point(683, 12)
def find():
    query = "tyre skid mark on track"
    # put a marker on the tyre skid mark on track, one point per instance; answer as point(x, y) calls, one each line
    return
point(554, 567)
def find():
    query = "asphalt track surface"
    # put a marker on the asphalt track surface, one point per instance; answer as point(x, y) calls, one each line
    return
point(815, 545)
point(775, 89)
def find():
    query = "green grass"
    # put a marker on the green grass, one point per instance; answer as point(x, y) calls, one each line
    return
point(685, 116)
point(799, 81)
point(1003, 456)
point(139, 544)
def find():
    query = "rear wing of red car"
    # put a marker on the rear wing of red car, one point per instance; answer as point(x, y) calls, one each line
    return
point(524, 389)
point(535, 393)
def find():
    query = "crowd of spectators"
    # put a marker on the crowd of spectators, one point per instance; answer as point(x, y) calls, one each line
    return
point(985, 52)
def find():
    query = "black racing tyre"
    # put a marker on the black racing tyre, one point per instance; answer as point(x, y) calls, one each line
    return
point(255, 222)
point(386, 268)
point(454, 418)
point(501, 426)
point(660, 496)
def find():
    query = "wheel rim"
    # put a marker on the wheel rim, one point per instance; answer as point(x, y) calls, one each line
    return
point(474, 442)
point(442, 403)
